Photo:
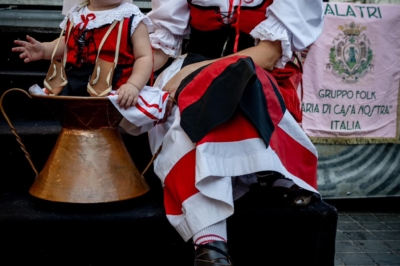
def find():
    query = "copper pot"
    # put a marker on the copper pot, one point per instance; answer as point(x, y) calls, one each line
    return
point(89, 162)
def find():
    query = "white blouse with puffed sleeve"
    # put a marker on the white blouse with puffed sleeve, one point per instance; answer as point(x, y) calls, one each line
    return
point(296, 23)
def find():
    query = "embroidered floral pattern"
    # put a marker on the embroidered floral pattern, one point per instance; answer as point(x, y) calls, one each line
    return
point(170, 44)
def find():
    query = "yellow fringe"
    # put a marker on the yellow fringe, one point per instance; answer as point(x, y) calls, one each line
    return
point(354, 141)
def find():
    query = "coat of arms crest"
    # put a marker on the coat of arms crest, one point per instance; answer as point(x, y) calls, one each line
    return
point(351, 56)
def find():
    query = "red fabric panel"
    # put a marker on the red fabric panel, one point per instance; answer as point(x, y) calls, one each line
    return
point(297, 159)
point(92, 39)
point(235, 129)
point(288, 79)
point(193, 92)
point(198, 16)
point(180, 183)
point(249, 17)
point(273, 104)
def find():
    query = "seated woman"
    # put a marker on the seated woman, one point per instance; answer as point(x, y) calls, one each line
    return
point(232, 124)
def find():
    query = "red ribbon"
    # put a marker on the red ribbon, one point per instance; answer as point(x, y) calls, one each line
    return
point(235, 48)
point(85, 20)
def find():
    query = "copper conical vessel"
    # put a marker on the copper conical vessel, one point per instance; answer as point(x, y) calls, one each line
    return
point(89, 162)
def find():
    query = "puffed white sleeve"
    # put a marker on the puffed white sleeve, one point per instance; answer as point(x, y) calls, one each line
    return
point(137, 18)
point(171, 22)
point(297, 24)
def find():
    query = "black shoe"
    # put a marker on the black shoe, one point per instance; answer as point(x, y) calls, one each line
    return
point(212, 254)
point(284, 189)
point(294, 195)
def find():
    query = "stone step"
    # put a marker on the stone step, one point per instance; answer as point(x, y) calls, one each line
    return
point(137, 232)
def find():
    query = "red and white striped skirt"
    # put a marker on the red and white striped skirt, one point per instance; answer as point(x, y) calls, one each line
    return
point(200, 153)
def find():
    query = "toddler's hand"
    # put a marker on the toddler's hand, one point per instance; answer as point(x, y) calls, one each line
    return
point(30, 51)
point(127, 95)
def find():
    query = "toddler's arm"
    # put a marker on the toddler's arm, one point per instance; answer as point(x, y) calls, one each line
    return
point(142, 68)
point(33, 50)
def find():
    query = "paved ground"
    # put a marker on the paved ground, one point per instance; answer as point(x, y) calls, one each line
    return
point(368, 238)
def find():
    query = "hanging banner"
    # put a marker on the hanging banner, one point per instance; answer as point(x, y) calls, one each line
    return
point(352, 76)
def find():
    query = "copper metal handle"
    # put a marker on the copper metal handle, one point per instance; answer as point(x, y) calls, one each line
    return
point(152, 160)
point(28, 157)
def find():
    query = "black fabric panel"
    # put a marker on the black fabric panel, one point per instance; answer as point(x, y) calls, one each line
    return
point(220, 100)
point(278, 95)
point(255, 107)
point(211, 43)
point(192, 58)
point(245, 41)
point(129, 30)
point(78, 78)
point(237, 87)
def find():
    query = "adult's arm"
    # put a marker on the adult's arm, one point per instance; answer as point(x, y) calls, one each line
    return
point(171, 22)
point(302, 18)
point(296, 24)
point(290, 25)
point(265, 54)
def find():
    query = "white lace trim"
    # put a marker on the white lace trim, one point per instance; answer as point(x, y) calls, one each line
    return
point(125, 10)
point(169, 43)
point(64, 22)
point(273, 30)
point(141, 18)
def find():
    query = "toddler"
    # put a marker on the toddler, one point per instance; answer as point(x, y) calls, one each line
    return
point(105, 47)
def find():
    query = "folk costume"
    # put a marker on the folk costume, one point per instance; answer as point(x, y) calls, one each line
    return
point(99, 35)
point(231, 119)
